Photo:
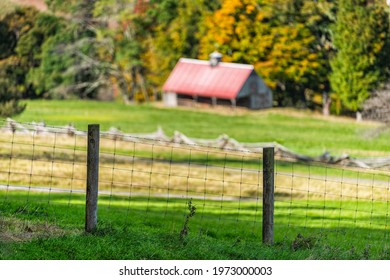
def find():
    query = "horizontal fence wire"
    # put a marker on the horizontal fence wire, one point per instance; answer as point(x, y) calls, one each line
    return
point(344, 207)
point(42, 182)
point(43, 179)
point(158, 179)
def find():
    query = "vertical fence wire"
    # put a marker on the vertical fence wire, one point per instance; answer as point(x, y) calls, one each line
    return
point(73, 180)
point(342, 206)
point(168, 176)
point(386, 237)
point(37, 174)
point(318, 204)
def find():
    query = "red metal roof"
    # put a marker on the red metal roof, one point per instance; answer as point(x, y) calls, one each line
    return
point(198, 78)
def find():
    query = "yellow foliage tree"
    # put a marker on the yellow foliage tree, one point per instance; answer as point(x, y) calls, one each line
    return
point(251, 31)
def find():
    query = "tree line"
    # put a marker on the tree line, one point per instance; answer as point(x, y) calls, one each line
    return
point(325, 54)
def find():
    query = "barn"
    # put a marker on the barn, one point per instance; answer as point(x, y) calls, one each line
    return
point(200, 81)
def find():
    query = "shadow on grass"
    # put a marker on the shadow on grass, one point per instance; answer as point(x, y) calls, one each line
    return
point(149, 228)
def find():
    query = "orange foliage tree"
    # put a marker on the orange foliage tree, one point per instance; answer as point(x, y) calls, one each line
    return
point(280, 48)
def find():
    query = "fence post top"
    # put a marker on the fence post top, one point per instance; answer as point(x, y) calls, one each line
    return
point(93, 125)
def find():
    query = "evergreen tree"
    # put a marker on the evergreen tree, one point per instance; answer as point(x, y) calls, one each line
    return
point(360, 36)
point(71, 59)
point(319, 16)
point(15, 28)
point(9, 94)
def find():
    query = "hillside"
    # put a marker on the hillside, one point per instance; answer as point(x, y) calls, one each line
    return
point(301, 131)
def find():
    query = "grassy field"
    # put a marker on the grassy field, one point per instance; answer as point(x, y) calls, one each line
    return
point(322, 212)
point(300, 131)
point(150, 229)
point(59, 162)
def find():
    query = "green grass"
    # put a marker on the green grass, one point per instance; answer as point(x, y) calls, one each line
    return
point(142, 228)
point(333, 221)
point(303, 132)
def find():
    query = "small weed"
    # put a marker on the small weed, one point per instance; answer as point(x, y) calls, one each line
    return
point(236, 242)
point(301, 242)
point(207, 232)
point(353, 254)
point(103, 231)
point(367, 252)
point(191, 212)
point(385, 255)
point(30, 210)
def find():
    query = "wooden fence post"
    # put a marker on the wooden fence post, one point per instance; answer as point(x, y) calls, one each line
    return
point(268, 195)
point(92, 177)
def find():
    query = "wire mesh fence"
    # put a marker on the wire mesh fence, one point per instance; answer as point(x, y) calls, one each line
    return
point(43, 180)
point(155, 180)
point(344, 207)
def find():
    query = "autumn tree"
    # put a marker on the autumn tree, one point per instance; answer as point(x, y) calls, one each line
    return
point(270, 37)
point(126, 70)
point(177, 33)
point(148, 39)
